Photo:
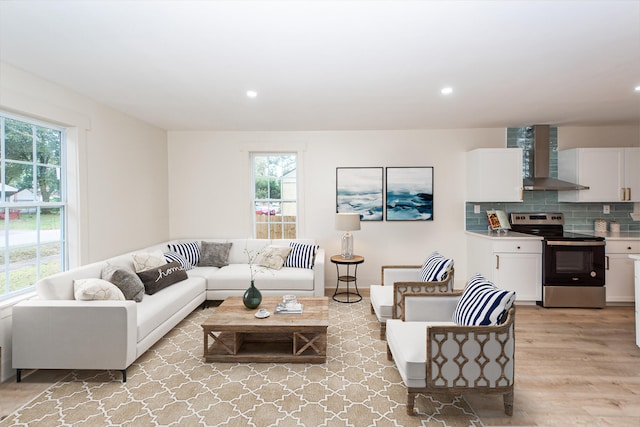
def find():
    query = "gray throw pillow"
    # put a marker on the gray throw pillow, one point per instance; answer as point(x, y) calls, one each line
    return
point(126, 280)
point(214, 254)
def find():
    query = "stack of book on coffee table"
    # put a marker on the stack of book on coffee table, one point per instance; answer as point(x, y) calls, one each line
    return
point(289, 307)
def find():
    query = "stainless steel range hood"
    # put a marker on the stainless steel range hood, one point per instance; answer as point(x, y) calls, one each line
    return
point(540, 165)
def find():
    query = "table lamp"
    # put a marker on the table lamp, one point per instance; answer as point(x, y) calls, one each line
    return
point(347, 222)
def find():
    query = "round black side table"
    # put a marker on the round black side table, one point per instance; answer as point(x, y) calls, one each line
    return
point(351, 297)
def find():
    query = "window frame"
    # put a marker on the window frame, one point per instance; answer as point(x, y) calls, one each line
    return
point(37, 206)
point(269, 201)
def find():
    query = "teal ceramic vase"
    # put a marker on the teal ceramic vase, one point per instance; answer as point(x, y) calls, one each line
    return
point(252, 297)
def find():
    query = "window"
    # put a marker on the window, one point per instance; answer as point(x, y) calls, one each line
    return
point(275, 206)
point(32, 203)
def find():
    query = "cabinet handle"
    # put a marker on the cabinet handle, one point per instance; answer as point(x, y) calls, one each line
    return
point(517, 247)
point(606, 258)
point(497, 262)
point(624, 194)
point(629, 193)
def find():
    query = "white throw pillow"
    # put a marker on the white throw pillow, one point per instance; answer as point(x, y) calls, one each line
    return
point(96, 289)
point(274, 257)
point(147, 260)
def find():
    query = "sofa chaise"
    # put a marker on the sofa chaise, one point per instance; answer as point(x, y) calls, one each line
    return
point(55, 330)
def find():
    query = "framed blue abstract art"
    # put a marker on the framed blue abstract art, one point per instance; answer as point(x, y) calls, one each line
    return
point(359, 189)
point(409, 194)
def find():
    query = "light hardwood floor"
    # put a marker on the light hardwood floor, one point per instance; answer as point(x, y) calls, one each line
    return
point(574, 367)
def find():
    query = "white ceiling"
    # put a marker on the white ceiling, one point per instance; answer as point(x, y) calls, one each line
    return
point(337, 65)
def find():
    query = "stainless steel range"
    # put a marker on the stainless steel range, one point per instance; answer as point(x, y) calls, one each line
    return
point(573, 265)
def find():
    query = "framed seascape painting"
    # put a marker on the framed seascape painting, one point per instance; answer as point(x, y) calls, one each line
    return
point(360, 190)
point(409, 194)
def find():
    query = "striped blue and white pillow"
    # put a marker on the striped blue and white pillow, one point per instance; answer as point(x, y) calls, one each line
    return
point(189, 250)
point(175, 256)
point(482, 303)
point(301, 255)
point(435, 268)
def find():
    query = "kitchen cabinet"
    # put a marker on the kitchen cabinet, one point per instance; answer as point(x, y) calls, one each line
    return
point(619, 272)
point(612, 174)
point(636, 259)
point(511, 263)
point(494, 175)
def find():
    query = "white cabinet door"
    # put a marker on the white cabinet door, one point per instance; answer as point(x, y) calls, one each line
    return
point(632, 173)
point(509, 263)
point(637, 279)
point(619, 278)
point(612, 174)
point(619, 275)
point(494, 175)
point(600, 169)
point(521, 273)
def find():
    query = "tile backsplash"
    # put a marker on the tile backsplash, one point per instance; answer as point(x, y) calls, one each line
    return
point(577, 216)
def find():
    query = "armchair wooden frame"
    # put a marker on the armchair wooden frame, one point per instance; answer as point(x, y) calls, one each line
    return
point(400, 288)
point(445, 369)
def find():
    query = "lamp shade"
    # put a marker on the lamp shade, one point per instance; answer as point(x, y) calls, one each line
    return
point(348, 221)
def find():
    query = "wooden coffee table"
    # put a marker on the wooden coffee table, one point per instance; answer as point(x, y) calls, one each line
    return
point(238, 336)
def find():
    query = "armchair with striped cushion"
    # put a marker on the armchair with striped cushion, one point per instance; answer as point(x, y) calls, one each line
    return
point(457, 342)
point(435, 275)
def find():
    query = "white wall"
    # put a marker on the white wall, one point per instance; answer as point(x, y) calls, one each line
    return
point(118, 175)
point(598, 136)
point(210, 189)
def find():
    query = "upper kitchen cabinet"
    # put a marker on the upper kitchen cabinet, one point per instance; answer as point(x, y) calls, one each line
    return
point(494, 175)
point(612, 174)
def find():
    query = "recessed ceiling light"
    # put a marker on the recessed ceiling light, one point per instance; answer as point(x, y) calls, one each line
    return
point(637, 89)
point(252, 93)
point(446, 90)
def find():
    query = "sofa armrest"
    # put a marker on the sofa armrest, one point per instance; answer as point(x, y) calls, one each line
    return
point(470, 357)
point(435, 305)
point(318, 273)
point(70, 334)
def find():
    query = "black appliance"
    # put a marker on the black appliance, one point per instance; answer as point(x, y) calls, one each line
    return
point(573, 265)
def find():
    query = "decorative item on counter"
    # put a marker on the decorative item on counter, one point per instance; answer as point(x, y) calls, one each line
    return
point(614, 226)
point(600, 226)
point(498, 220)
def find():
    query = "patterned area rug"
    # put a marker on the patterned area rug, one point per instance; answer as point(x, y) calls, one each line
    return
point(171, 385)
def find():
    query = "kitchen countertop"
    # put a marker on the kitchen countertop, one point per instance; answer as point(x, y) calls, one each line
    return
point(608, 235)
point(636, 257)
point(500, 235)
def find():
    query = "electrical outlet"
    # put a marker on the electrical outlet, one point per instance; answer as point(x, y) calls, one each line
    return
point(606, 209)
point(476, 209)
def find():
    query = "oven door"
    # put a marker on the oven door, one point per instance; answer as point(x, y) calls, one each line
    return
point(573, 263)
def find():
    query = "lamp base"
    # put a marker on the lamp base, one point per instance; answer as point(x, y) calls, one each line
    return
point(346, 246)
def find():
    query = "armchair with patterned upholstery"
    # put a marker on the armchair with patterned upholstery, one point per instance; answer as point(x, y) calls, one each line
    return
point(434, 354)
point(385, 297)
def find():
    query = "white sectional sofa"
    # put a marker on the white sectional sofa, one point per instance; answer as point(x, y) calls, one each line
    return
point(56, 331)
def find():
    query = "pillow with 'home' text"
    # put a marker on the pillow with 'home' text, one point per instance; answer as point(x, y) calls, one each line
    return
point(159, 278)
